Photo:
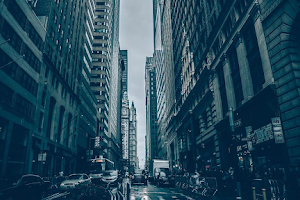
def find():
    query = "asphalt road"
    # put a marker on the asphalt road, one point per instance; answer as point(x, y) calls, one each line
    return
point(151, 192)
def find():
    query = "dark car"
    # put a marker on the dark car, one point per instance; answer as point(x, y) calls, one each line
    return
point(28, 187)
point(139, 177)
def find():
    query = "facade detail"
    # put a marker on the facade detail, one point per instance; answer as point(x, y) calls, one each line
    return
point(234, 77)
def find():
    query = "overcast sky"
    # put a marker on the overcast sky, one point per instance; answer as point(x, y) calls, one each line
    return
point(136, 36)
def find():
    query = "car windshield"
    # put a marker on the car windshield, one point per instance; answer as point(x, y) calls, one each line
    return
point(110, 173)
point(28, 179)
point(138, 171)
point(164, 171)
point(74, 177)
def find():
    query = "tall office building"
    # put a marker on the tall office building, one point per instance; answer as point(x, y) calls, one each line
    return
point(125, 127)
point(114, 145)
point(101, 65)
point(124, 58)
point(22, 42)
point(57, 46)
point(70, 104)
point(133, 139)
point(105, 73)
point(158, 64)
point(88, 120)
point(151, 112)
point(167, 43)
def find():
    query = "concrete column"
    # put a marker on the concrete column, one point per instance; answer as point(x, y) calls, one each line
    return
point(6, 149)
point(262, 45)
point(217, 98)
point(228, 83)
point(244, 67)
point(29, 155)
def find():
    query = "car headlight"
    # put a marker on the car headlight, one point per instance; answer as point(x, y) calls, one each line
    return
point(62, 184)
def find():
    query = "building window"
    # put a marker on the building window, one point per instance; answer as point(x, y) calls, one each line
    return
point(16, 11)
point(14, 40)
point(222, 89)
point(254, 59)
point(6, 95)
point(24, 107)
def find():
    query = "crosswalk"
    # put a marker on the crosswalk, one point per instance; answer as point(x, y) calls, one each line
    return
point(159, 196)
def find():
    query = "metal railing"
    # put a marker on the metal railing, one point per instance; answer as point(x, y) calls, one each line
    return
point(206, 186)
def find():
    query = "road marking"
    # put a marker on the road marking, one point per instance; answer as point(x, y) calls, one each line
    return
point(189, 198)
point(174, 197)
point(161, 198)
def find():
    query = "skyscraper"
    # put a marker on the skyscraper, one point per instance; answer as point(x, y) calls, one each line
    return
point(133, 139)
point(124, 58)
point(151, 111)
point(105, 73)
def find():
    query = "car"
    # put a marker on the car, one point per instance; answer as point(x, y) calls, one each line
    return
point(74, 180)
point(139, 176)
point(95, 175)
point(110, 177)
point(29, 186)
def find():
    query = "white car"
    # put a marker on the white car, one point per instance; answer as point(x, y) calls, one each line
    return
point(74, 180)
point(110, 176)
point(95, 175)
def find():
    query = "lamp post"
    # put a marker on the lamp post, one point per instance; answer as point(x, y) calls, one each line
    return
point(236, 173)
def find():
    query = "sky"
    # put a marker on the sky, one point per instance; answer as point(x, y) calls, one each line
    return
point(136, 36)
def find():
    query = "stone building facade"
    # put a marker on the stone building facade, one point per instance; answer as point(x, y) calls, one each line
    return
point(241, 106)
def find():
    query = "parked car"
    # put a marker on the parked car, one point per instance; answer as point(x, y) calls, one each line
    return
point(95, 175)
point(74, 180)
point(29, 186)
point(110, 177)
point(139, 176)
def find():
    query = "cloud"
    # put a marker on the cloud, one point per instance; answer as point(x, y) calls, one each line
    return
point(136, 36)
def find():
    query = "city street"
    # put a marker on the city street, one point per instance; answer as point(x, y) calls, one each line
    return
point(151, 192)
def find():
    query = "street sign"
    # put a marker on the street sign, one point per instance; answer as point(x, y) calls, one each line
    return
point(97, 142)
point(42, 157)
point(278, 134)
point(245, 139)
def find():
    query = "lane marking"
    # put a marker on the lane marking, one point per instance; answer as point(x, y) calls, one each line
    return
point(146, 198)
point(174, 197)
point(161, 198)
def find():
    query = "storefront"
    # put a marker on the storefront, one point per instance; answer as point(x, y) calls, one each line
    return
point(255, 147)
